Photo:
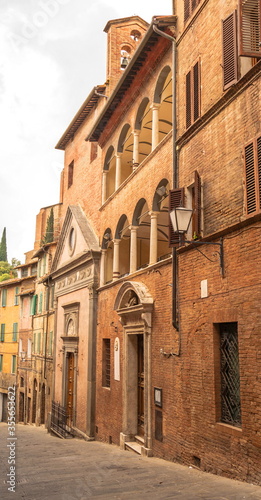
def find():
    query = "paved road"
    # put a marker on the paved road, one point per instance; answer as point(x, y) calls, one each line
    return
point(48, 468)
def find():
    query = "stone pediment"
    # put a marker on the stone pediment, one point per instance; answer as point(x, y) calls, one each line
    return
point(76, 239)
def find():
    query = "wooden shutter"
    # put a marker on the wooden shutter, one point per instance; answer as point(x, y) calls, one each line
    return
point(188, 99)
point(250, 179)
point(2, 339)
point(176, 199)
point(230, 52)
point(250, 28)
point(259, 169)
point(196, 91)
point(197, 213)
point(186, 9)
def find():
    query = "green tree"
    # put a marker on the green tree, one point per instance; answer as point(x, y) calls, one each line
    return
point(7, 270)
point(3, 247)
point(48, 238)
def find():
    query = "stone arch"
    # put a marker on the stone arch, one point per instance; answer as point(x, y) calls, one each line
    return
point(131, 288)
point(160, 83)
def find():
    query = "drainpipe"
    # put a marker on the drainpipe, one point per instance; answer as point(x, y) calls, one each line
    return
point(175, 322)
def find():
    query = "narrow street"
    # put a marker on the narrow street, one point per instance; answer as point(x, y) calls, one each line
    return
point(47, 467)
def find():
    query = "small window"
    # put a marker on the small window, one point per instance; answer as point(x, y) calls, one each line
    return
point(193, 95)
point(229, 374)
point(94, 151)
point(33, 305)
point(4, 297)
point(106, 363)
point(249, 28)
point(189, 7)
point(70, 174)
point(24, 272)
point(1, 362)
point(15, 331)
point(16, 297)
point(13, 367)
point(2, 333)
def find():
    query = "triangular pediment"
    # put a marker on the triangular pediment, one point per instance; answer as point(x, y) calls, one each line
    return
point(77, 238)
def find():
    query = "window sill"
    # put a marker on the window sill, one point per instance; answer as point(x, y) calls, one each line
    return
point(228, 429)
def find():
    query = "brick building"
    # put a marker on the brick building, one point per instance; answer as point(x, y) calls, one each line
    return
point(156, 343)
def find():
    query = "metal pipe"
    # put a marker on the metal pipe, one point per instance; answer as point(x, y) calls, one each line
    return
point(175, 322)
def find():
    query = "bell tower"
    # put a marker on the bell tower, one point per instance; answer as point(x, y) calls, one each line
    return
point(123, 37)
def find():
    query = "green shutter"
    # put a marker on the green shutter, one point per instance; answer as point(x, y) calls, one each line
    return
point(2, 334)
point(13, 364)
point(15, 331)
point(4, 297)
point(1, 362)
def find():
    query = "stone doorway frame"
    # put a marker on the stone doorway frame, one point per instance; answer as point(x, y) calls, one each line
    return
point(134, 305)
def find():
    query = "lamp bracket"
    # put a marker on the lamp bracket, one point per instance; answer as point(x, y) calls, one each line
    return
point(221, 251)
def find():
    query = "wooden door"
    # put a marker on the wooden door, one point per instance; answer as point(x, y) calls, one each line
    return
point(70, 385)
point(140, 386)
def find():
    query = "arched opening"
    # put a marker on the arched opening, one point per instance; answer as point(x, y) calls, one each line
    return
point(110, 171)
point(122, 236)
point(163, 96)
point(143, 124)
point(125, 148)
point(107, 248)
point(160, 206)
point(141, 219)
point(43, 404)
point(34, 402)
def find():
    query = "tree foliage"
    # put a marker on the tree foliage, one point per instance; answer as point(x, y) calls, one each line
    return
point(7, 270)
point(3, 247)
point(48, 238)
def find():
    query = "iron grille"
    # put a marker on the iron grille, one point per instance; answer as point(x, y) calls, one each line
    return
point(59, 421)
point(230, 380)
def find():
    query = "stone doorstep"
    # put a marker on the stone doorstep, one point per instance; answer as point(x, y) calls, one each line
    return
point(133, 446)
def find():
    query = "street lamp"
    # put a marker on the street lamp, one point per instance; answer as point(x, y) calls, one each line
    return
point(180, 219)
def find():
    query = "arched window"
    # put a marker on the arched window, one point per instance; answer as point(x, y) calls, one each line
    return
point(161, 207)
point(125, 149)
point(141, 219)
point(110, 170)
point(163, 97)
point(143, 125)
point(122, 237)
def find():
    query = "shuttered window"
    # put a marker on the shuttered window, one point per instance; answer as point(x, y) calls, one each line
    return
point(253, 177)
point(2, 332)
point(15, 331)
point(250, 28)
point(4, 297)
point(230, 52)
point(176, 199)
point(189, 7)
point(193, 95)
point(196, 205)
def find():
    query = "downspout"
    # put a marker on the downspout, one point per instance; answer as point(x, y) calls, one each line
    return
point(175, 322)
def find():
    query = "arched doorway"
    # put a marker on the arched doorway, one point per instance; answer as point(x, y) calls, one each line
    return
point(134, 305)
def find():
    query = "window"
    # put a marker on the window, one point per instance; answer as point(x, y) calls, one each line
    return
point(4, 297)
point(13, 367)
point(189, 7)
point(50, 344)
point(106, 363)
point(229, 374)
point(253, 177)
point(24, 273)
point(40, 309)
point(244, 26)
point(193, 95)
point(249, 28)
point(15, 331)
point(70, 174)
point(176, 199)
point(1, 362)
point(94, 151)
point(33, 305)
point(34, 269)
point(16, 297)
point(2, 333)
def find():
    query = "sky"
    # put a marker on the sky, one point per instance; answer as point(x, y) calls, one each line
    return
point(52, 54)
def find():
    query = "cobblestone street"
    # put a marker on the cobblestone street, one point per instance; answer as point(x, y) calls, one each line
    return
point(47, 467)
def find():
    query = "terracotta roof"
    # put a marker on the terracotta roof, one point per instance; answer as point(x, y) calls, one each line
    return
point(81, 115)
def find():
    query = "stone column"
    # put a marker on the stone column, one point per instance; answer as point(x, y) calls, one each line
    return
point(103, 267)
point(153, 238)
point(155, 125)
point(116, 260)
point(104, 186)
point(133, 249)
point(136, 135)
point(118, 171)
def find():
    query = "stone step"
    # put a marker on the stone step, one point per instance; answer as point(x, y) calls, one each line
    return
point(139, 439)
point(133, 446)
